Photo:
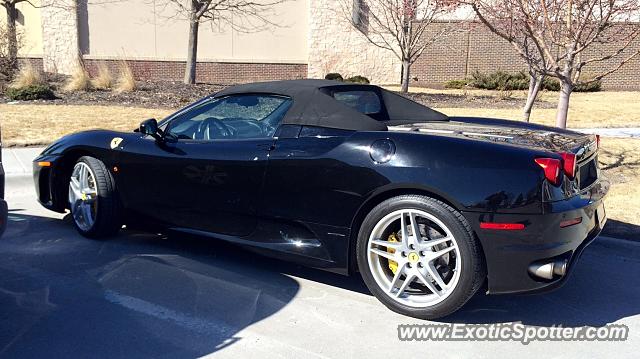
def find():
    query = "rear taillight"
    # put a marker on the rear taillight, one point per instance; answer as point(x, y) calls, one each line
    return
point(569, 164)
point(551, 168)
point(598, 141)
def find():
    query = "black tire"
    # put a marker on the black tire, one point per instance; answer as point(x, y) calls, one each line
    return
point(108, 214)
point(473, 271)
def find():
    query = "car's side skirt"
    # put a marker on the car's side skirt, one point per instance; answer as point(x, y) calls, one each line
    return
point(309, 244)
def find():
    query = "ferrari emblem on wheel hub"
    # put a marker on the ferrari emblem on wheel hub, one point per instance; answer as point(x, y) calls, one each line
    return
point(413, 257)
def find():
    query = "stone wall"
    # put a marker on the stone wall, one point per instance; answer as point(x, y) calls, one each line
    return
point(60, 37)
point(334, 46)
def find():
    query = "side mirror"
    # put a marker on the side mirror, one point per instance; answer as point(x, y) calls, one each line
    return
point(149, 127)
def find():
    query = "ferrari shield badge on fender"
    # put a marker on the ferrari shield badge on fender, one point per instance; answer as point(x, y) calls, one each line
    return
point(115, 142)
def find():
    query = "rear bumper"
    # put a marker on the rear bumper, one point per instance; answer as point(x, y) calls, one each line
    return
point(510, 253)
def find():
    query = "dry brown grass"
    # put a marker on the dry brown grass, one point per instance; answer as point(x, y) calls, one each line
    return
point(79, 81)
point(620, 161)
point(587, 110)
point(27, 76)
point(24, 125)
point(126, 81)
point(104, 80)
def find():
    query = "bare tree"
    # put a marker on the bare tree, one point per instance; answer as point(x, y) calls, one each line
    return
point(238, 15)
point(499, 17)
point(7, 61)
point(536, 80)
point(564, 36)
point(403, 27)
point(11, 33)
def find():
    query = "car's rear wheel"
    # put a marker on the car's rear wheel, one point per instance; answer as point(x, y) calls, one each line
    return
point(93, 200)
point(419, 257)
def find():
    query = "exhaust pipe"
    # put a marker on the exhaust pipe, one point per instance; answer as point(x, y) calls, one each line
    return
point(560, 267)
point(548, 270)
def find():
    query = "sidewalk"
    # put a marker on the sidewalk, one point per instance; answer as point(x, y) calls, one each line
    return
point(17, 161)
point(632, 132)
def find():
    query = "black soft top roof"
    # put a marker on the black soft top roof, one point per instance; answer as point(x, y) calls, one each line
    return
point(313, 105)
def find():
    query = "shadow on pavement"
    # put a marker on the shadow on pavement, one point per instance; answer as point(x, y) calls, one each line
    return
point(137, 295)
point(146, 295)
point(619, 229)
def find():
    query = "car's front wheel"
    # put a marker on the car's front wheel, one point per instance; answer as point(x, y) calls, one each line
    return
point(419, 257)
point(93, 200)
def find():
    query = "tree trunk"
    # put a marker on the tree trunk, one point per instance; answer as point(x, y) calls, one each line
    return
point(192, 50)
point(12, 36)
point(563, 104)
point(535, 82)
point(406, 71)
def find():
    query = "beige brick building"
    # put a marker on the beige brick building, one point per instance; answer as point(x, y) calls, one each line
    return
point(312, 39)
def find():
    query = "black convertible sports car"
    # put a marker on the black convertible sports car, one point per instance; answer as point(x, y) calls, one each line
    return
point(347, 178)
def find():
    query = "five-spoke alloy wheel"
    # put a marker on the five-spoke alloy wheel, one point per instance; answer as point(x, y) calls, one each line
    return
point(423, 259)
point(93, 200)
point(83, 196)
point(419, 257)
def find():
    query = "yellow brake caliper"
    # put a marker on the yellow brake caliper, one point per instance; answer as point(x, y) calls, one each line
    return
point(393, 265)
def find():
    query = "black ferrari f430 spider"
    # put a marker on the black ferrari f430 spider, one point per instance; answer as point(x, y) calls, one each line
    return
point(348, 178)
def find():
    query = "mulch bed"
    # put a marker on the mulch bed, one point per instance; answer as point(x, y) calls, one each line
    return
point(150, 94)
point(175, 94)
point(447, 100)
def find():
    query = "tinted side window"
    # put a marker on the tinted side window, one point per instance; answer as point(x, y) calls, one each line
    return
point(366, 102)
point(232, 117)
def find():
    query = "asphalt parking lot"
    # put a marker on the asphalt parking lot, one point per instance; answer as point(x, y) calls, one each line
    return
point(146, 295)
